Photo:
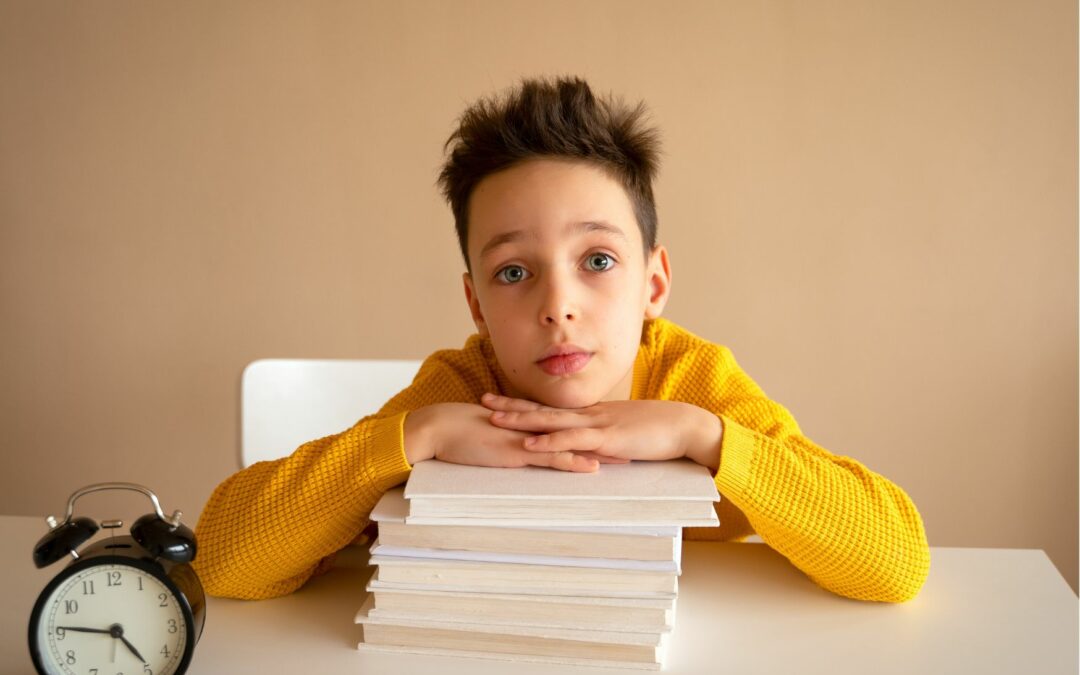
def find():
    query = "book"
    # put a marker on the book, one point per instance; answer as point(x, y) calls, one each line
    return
point(474, 576)
point(672, 566)
point(659, 543)
point(391, 648)
point(635, 615)
point(518, 643)
point(668, 493)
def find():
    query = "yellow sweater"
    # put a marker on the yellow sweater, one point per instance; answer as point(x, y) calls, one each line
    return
point(268, 528)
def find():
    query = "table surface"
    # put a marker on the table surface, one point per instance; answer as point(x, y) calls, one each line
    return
point(742, 608)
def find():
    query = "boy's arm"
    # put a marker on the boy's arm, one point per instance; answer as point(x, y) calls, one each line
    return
point(849, 529)
point(266, 528)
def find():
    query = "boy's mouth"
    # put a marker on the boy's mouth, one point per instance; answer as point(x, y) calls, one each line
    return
point(564, 360)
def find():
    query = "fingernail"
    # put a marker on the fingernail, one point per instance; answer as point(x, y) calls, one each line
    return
point(498, 415)
point(530, 441)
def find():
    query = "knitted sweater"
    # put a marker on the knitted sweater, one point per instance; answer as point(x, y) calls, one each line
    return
point(268, 528)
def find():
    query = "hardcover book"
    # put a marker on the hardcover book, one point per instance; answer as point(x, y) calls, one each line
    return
point(668, 493)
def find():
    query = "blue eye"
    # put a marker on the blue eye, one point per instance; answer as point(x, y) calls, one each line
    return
point(511, 274)
point(599, 262)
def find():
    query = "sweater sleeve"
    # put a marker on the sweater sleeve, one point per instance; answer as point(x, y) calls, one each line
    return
point(849, 529)
point(265, 529)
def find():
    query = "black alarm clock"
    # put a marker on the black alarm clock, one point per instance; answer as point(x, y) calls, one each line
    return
point(124, 604)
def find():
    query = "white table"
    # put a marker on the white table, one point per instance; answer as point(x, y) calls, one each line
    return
point(742, 609)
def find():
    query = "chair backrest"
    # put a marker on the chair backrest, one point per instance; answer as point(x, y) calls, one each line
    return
point(287, 402)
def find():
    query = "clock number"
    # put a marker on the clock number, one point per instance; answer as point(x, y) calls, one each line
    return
point(88, 587)
point(69, 657)
point(60, 633)
point(165, 651)
point(140, 582)
point(172, 625)
point(146, 670)
point(71, 606)
point(93, 671)
point(164, 600)
point(113, 579)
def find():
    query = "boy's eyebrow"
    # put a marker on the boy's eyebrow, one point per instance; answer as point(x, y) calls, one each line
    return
point(596, 226)
point(500, 239)
point(583, 227)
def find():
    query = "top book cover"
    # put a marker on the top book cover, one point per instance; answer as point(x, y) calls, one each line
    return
point(678, 479)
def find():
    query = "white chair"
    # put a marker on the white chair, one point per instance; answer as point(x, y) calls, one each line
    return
point(287, 402)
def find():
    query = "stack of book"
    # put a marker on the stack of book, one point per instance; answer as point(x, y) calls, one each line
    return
point(533, 564)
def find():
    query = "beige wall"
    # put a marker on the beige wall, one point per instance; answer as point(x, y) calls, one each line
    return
point(874, 204)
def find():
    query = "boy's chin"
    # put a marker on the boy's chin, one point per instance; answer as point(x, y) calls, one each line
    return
point(567, 398)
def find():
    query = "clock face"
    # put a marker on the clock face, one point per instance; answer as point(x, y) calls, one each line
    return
point(110, 618)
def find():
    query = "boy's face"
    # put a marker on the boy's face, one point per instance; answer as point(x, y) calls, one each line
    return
point(560, 281)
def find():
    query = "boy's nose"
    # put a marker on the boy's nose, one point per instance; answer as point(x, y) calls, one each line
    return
point(555, 318)
point(558, 306)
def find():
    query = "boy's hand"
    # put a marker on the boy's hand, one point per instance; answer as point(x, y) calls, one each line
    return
point(461, 433)
point(652, 430)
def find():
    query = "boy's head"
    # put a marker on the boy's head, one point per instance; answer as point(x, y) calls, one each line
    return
point(545, 119)
point(551, 190)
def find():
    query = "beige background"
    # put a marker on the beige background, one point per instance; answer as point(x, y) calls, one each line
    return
point(874, 204)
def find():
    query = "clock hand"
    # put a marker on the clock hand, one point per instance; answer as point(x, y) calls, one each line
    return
point(80, 629)
point(132, 648)
point(117, 631)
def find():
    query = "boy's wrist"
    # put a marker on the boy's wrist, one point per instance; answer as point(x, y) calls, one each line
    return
point(706, 433)
point(419, 445)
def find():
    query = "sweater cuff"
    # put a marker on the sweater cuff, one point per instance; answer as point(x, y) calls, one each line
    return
point(737, 449)
point(386, 462)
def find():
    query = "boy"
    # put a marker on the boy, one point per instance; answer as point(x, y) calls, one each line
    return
point(571, 367)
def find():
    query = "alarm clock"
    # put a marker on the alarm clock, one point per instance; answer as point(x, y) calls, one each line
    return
point(124, 604)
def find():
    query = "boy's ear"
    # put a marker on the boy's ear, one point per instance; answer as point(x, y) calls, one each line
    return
point(474, 305)
point(657, 282)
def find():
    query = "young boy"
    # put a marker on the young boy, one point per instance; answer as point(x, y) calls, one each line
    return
point(571, 367)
